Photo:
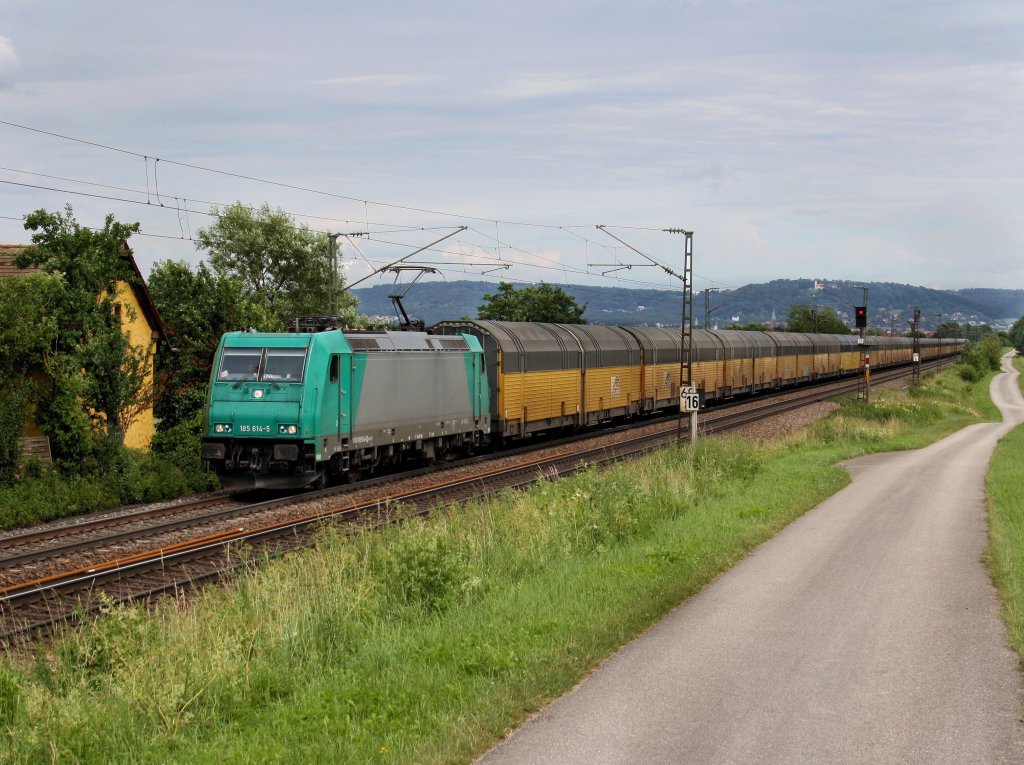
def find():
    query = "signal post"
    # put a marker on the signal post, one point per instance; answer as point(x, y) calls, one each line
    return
point(689, 401)
point(860, 313)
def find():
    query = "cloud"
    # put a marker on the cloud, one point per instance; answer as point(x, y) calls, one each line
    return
point(382, 80)
point(9, 63)
point(545, 84)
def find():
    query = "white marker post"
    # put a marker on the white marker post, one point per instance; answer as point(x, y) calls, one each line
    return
point(689, 401)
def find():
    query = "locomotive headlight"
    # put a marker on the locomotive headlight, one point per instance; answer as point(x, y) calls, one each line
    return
point(290, 430)
point(258, 393)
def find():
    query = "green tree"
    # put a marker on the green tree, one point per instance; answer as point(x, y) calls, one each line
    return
point(949, 329)
point(750, 326)
point(198, 306)
point(980, 357)
point(282, 266)
point(808, 318)
point(28, 329)
point(975, 331)
point(1017, 335)
point(544, 302)
point(98, 379)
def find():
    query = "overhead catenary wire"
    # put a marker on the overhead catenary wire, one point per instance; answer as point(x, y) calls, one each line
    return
point(130, 190)
point(406, 229)
point(365, 202)
point(181, 207)
point(296, 187)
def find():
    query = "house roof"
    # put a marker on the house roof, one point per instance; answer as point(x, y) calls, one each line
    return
point(8, 252)
point(143, 295)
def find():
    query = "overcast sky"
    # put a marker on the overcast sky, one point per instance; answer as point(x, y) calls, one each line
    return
point(868, 140)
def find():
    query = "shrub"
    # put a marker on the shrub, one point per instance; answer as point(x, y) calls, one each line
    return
point(968, 372)
point(180, 444)
point(13, 404)
point(983, 355)
point(41, 495)
point(423, 570)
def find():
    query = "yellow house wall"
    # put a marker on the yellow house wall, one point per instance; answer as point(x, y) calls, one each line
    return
point(140, 432)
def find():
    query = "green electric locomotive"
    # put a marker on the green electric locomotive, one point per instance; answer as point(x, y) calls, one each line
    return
point(291, 410)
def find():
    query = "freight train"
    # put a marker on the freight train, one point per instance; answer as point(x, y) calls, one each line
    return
point(297, 409)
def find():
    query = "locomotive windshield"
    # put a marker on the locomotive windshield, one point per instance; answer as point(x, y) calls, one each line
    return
point(264, 364)
point(284, 364)
point(240, 364)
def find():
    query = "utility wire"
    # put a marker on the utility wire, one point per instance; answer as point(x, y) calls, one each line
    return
point(147, 193)
point(146, 158)
point(294, 187)
point(560, 267)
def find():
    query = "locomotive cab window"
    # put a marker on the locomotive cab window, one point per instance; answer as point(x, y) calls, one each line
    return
point(240, 364)
point(284, 365)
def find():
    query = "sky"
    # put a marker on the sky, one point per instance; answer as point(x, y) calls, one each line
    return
point(868, 141)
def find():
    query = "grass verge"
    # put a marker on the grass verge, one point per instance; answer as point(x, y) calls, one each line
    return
point(1005, 554)
point(425, 643)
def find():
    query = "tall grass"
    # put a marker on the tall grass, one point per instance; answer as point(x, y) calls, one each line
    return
point(423, 643)
point(1005, 554)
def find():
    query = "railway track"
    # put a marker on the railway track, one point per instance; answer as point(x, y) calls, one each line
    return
point(32, 603)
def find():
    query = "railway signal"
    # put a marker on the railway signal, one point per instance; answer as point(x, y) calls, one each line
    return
point(860, 314)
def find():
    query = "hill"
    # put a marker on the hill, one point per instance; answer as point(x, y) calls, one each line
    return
point(889, 304)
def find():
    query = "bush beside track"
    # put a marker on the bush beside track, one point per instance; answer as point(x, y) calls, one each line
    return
point(172, 469)
point(426, 642)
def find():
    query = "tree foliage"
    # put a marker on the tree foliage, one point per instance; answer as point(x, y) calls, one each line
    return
point(28, 329)
point(750, 326)
point(980, 357)
point(808, 318)
point(545, 302)
point(98, 380)
point(976, 331)
point(283, 267)
point(198, 306)
point(1017, 335)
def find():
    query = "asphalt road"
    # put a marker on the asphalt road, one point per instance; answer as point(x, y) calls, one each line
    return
point(868, 631)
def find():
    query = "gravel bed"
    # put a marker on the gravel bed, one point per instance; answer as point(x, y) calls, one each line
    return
point(781, 425)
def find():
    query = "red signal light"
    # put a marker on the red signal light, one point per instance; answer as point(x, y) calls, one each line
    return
point(860, 314)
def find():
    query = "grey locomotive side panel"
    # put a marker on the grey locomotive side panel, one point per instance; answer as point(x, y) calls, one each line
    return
point(411, 396)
